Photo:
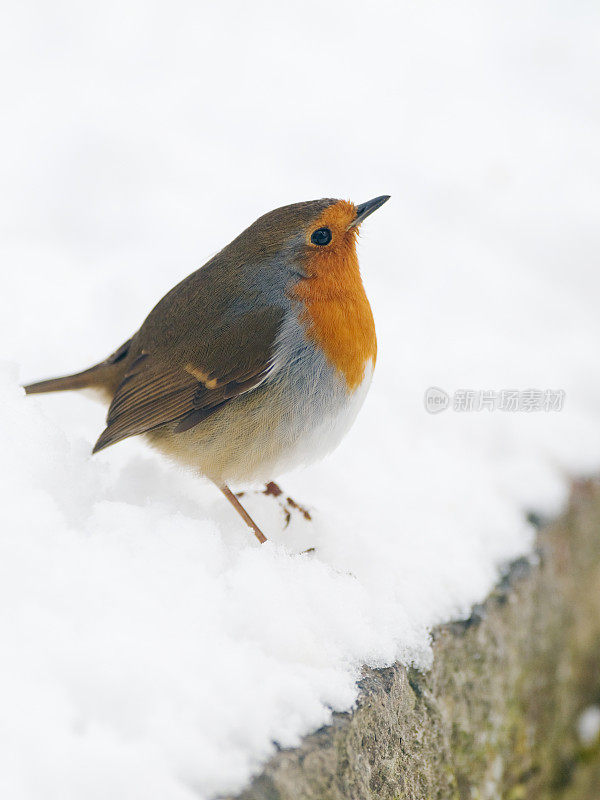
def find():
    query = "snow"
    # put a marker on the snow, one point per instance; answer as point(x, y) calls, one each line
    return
point(151, 648)
point(588, 725)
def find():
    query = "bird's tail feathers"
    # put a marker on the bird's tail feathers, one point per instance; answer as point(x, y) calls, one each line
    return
point(97, 376)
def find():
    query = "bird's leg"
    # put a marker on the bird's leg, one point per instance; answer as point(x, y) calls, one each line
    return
point(243, 513)
point(275, 490)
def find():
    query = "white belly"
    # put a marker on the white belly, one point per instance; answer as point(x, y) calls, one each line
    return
point(317, 433)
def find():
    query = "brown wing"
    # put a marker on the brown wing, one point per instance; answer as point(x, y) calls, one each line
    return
point(165, 385)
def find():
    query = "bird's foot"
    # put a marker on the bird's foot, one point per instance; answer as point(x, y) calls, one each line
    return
point(287, 503)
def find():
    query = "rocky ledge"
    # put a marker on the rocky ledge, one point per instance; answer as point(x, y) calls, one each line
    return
point(500, 713)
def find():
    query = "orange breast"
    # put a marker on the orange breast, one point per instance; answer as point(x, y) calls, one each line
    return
point(336, 311)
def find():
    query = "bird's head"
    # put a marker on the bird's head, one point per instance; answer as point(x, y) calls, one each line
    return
point(311, 239)
point(330, 236)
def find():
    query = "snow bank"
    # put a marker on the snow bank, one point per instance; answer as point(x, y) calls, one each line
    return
point(150, 647)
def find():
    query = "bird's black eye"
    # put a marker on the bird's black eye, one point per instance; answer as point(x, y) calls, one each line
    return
point(321, 236)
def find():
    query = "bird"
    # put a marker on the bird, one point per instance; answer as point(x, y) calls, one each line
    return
point(255, 363)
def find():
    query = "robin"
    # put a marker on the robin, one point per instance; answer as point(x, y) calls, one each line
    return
point(255, 363)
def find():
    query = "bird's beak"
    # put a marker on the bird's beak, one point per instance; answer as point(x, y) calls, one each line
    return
point(364, 209)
